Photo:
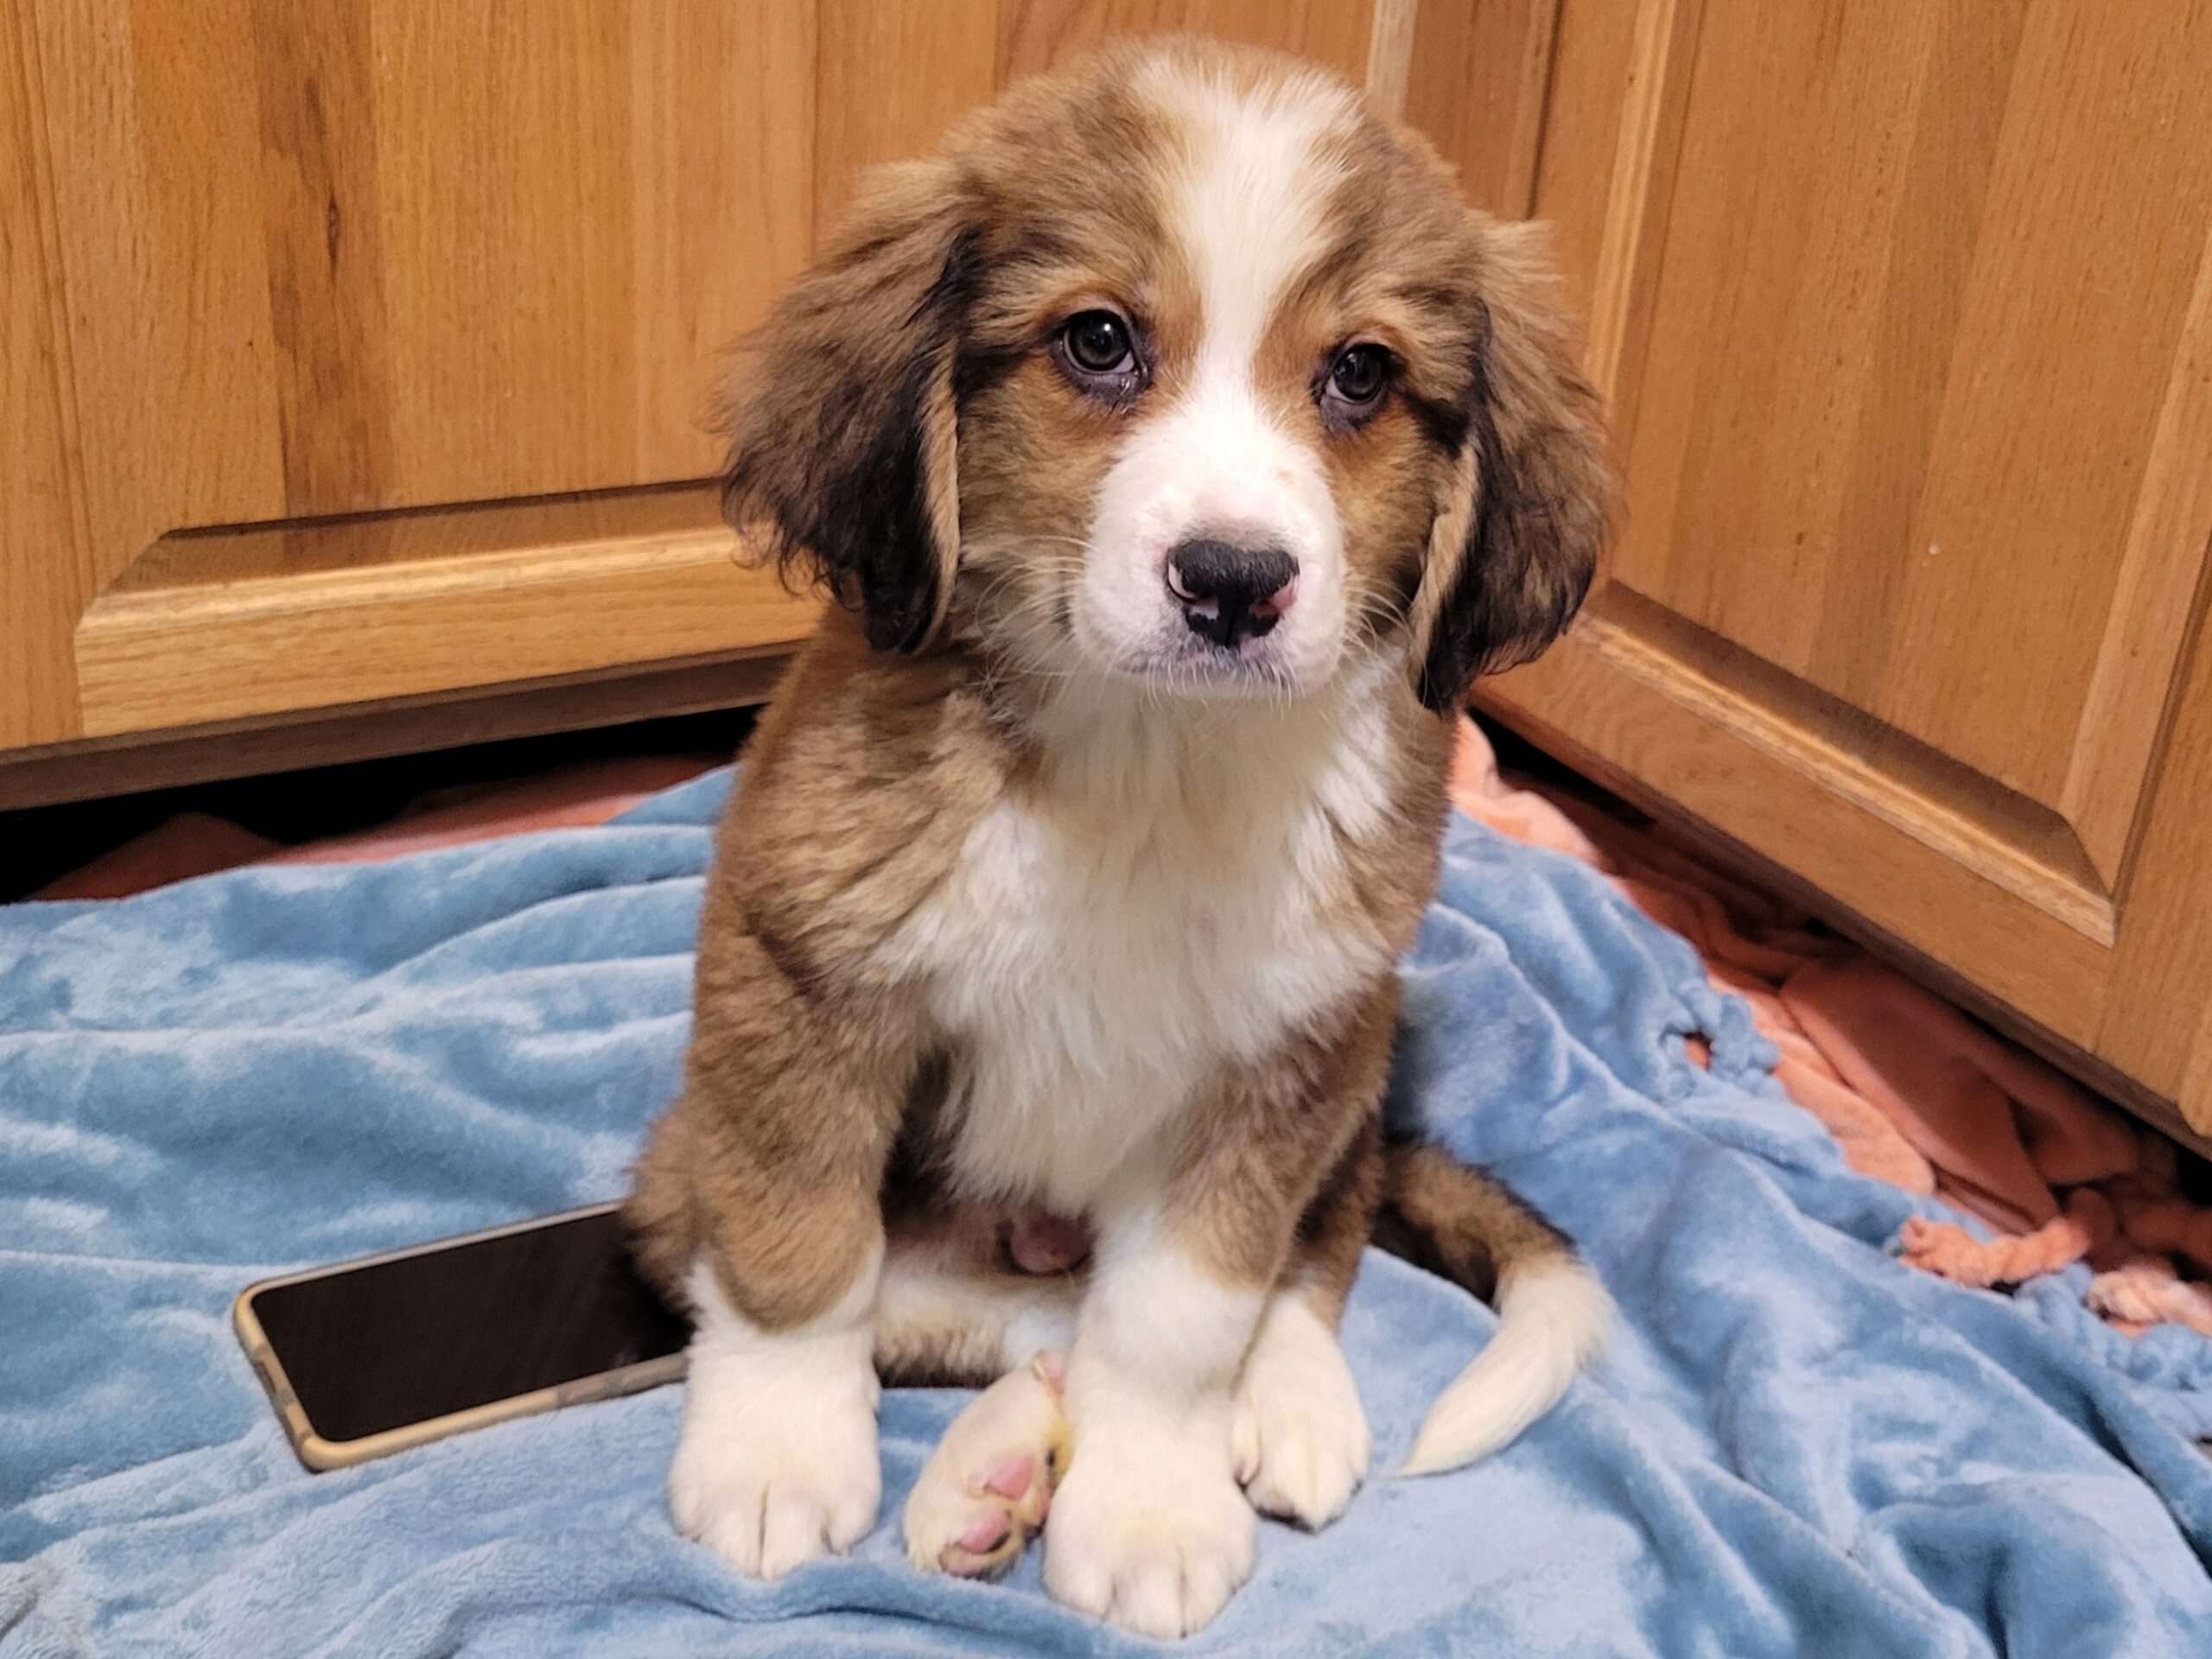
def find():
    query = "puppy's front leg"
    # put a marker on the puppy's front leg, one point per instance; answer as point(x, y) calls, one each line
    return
point(757, 1200)
point(1150, 1527)
point(777, 1461)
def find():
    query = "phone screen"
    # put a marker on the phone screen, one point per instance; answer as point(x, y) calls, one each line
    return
point(392, 1343)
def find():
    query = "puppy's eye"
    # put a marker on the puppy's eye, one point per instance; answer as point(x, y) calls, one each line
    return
point(1356, 383)
point(1099, 345)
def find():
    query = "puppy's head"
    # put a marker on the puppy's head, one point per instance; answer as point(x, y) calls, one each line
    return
point(1178, 365)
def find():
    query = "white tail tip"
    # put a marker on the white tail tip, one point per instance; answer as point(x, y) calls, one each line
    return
point(1552, 1319)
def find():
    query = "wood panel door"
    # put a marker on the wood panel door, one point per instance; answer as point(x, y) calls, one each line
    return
point(305, 285)
point(1904, 312)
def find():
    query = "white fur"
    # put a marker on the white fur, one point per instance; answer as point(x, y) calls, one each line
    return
point(776, 1464)
point(1552, 1318)
point(1152, 911)
point(1251, 197)
point(1248, 206)
point(1150, 1530)
point(1299, 1436)
point(1021, 1315)
point(1155, 1324)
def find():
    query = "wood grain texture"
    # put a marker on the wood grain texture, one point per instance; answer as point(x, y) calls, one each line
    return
point(1476, 84)
point(395, 254)
point(712, 246)
point(2162, 568)
point(1034, 34)
point(2157, 1026)
point(891, 77)
point(1391, 30)
point(153, 121)
point(315, 615)
point(1658, 68)
point(1883, 454)
point(364, 257)
point(1998, 834)
point(634, 192)
point(1912, 379)
point(314, 76)
point(1593, 55)
point(2040, 452)
point(45, 575)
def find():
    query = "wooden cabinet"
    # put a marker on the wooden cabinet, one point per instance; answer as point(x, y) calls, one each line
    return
point(1904, 313)
point(293, 290)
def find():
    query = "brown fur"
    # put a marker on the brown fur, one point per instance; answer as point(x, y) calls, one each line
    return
point(1458, 1222)
point(899, 433)
point(1264, 1148)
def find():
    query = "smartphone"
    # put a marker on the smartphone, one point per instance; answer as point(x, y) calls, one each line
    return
point(368, 1357)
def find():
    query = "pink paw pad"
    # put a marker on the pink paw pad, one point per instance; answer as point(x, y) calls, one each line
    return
point(988, 1486)
point(986, 1535)
point(1012, 1477)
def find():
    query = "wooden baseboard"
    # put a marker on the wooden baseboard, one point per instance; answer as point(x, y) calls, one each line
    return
point(94, 768)
point(1730, 853)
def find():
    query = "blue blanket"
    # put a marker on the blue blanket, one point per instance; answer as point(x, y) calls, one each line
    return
point(1796, 1445)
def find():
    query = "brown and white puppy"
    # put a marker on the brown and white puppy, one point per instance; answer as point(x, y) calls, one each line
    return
point(1179, 448)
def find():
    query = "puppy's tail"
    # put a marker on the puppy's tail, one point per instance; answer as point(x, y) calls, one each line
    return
point(1553, 1313)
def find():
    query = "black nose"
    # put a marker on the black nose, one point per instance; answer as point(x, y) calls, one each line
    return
point(1230, 594)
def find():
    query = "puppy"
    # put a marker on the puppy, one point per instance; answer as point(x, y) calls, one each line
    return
point(1177, 448)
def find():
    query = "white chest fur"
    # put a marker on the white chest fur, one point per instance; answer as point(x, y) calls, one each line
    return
point(1167, 902)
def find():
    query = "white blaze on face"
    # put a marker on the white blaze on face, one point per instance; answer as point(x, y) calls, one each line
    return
point(1246, 204)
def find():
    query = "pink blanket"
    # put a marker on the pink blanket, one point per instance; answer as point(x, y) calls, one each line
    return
point(1915, 1092)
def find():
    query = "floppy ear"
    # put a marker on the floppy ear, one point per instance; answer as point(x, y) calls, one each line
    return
point(839, 411)
point(1515, 539)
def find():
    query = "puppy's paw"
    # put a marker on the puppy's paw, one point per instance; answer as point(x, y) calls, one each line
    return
point(1149, 1530)
point(771, 1484)
point(1299, 1436)
point(776, 1464)
point(987, 1487)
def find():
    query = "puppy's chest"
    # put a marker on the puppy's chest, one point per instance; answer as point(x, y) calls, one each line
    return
point(1095, 971)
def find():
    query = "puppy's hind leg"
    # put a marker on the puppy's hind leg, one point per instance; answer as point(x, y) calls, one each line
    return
point(986, 1489)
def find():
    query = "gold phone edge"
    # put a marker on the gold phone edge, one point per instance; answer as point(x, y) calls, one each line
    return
point(321, 1456)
